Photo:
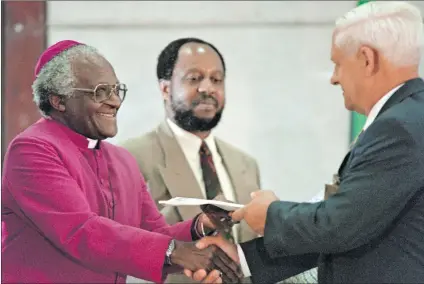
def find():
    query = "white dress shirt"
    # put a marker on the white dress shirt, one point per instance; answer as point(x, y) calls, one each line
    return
point(190, 145)
point(370, 119)
point(378, 106)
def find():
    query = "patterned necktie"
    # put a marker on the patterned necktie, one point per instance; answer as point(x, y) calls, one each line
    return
point(210, 177)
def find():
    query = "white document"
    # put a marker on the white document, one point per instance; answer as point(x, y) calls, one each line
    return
point(183, 201)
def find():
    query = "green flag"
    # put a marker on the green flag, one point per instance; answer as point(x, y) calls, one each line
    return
point(357, 119)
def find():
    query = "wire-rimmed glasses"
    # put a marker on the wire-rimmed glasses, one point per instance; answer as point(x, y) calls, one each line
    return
point(103, 92)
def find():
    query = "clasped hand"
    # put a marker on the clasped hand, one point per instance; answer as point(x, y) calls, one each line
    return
point(254, 214)
point(224, 267)
point(211, 263)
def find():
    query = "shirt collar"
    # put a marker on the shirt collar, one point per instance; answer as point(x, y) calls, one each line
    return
point(378, 106)
point(189, 142)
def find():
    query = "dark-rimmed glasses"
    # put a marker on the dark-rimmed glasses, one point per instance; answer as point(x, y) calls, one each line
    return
point(103, 92)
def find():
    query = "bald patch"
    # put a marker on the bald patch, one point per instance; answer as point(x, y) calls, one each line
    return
point(193, 48)
point(198, 56)
point(93, 70)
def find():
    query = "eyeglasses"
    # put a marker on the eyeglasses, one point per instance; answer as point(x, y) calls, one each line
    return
point(103, 92)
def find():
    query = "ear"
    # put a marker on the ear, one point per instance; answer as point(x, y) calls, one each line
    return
point(369, 60)
point(57, 102)
point(164, 86)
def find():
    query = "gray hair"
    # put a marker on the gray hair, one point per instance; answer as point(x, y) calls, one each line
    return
point(395, 28)
point(57, 76)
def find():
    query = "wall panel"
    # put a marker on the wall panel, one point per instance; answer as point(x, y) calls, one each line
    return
point(24, 39)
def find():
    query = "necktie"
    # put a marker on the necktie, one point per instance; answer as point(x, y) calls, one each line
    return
point(210, 177)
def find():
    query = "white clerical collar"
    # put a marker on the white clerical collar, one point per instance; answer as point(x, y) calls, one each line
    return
point(378, 106)
point(92, 143)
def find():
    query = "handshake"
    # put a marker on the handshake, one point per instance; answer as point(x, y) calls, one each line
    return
point(210, 260)
point(213, 259)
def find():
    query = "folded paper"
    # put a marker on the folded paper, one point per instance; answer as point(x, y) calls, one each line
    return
point(185, 201)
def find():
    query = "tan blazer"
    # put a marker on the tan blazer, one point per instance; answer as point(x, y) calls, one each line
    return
point(168, 174)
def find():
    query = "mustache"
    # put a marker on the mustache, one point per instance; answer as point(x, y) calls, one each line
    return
point(204, 98)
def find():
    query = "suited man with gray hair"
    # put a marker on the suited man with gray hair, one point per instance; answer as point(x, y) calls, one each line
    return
point(370, 230)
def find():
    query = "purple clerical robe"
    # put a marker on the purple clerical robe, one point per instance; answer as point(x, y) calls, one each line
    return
point(71, 214)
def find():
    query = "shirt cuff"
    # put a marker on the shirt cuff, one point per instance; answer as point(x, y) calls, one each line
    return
point(194, 233)
point(243, 263)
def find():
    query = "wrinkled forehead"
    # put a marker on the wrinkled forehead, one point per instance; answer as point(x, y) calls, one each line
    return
point(196, 55)
point(91, 71)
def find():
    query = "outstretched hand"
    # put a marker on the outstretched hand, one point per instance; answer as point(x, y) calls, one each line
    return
point(195, 257)
point(201, 275)
point(255, 212)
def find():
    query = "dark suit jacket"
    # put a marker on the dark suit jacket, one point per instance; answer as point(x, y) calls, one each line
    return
point(372, 229)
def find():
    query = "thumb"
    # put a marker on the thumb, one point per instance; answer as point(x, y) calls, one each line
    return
point(238, 215)
point(255, 194)
point(205, 242)
point(188, 273)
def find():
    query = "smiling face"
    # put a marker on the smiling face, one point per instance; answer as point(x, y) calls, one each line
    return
point(83, 114)
point(196, 92)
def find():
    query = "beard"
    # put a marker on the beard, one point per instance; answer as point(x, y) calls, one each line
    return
point(187, 120)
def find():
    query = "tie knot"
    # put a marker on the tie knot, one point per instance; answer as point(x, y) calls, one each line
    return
point(204, 149)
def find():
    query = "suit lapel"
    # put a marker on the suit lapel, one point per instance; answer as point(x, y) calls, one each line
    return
point(176, 172)
point(236, 169)
point(342, 166)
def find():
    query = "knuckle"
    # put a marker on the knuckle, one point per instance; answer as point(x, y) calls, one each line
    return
point(208, 262)
point(207, 258)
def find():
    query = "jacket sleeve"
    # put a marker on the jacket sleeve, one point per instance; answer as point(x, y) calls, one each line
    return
point(383, 177)
point(153, 220)
point(53, 204)
point(265, 269)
